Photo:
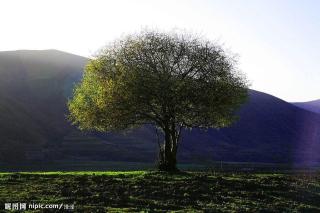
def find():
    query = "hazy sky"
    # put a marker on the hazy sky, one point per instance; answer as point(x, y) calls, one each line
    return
point(278, 41)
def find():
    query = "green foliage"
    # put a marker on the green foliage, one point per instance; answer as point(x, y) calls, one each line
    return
point(168, 80)
point(162, 79)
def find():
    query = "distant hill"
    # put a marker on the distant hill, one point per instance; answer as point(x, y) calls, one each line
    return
point(313, 106)
point(35, 85)
point(33, 90)
point(269, 130)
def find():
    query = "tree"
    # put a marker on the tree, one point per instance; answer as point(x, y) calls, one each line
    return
point(172, 81)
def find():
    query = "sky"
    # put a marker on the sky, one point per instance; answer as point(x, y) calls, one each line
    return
point(277, 41)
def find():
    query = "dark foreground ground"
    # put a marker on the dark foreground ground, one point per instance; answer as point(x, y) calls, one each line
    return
point(147, 191)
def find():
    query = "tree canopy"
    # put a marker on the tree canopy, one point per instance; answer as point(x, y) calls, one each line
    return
point(170, 80)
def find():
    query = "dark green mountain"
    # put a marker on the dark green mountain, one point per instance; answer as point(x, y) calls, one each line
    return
point(35, 85)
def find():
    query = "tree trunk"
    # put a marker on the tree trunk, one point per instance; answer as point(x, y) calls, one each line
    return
point(167, 154)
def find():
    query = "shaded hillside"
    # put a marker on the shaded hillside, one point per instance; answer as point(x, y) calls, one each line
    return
point(34, 86)
point(269, 130)
point(33, 90)
point(313, 106)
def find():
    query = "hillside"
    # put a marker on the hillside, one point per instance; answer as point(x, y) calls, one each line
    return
point(34, 86)
point(269, 130)
point(33, 90)
point(313, 106)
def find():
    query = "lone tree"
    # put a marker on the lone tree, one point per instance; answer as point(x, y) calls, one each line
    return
point(172, 81)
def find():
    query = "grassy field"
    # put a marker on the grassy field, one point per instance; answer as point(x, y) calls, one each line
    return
point(85, 165)
point(138, 191)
